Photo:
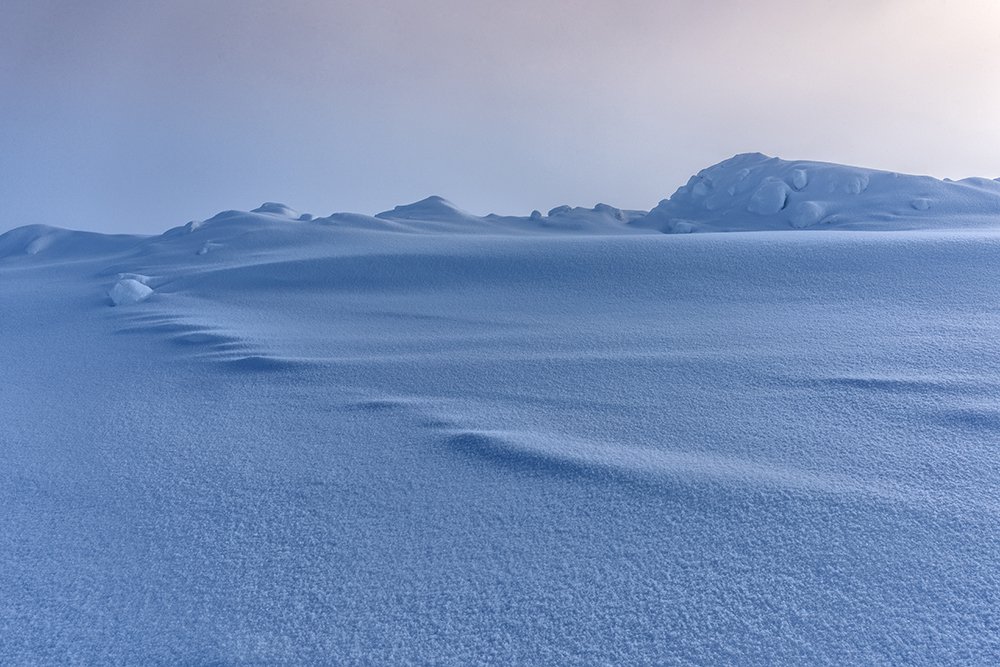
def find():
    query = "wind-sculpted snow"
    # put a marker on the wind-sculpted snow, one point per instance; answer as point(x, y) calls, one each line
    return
point(556, 454)
point(559, 439)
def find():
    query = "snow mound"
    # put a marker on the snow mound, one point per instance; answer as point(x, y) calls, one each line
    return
point(128, 291)
point(601, 218)
point(753, 191)
point(54, 243)
point(436, 214)
point(274, 208)
point(434, 209)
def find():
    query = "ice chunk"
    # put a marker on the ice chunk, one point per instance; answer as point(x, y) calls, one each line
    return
point(769, 198)
point(806, 213)
point(129, 290)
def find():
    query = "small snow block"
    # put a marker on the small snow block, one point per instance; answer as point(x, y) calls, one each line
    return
point(770, 197)
point(806, 214)
point(129, 291)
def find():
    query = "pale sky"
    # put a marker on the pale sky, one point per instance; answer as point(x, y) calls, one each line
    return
point(137, 116)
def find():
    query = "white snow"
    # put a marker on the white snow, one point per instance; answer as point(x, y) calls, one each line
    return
point(437, 437)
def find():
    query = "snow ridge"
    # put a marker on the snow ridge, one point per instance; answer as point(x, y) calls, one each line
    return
point(748, 192)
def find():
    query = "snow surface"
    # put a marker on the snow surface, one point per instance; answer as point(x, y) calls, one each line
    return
point(431, 437)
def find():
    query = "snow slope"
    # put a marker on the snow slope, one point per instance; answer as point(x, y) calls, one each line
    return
point(432, 437)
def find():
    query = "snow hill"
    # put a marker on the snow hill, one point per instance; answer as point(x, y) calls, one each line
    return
point(755, 192)
point(434, 437)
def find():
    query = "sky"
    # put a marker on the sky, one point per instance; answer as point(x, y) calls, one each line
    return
point(125, 116)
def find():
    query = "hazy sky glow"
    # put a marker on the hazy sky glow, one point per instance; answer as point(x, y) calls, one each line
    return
point(135, 116)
